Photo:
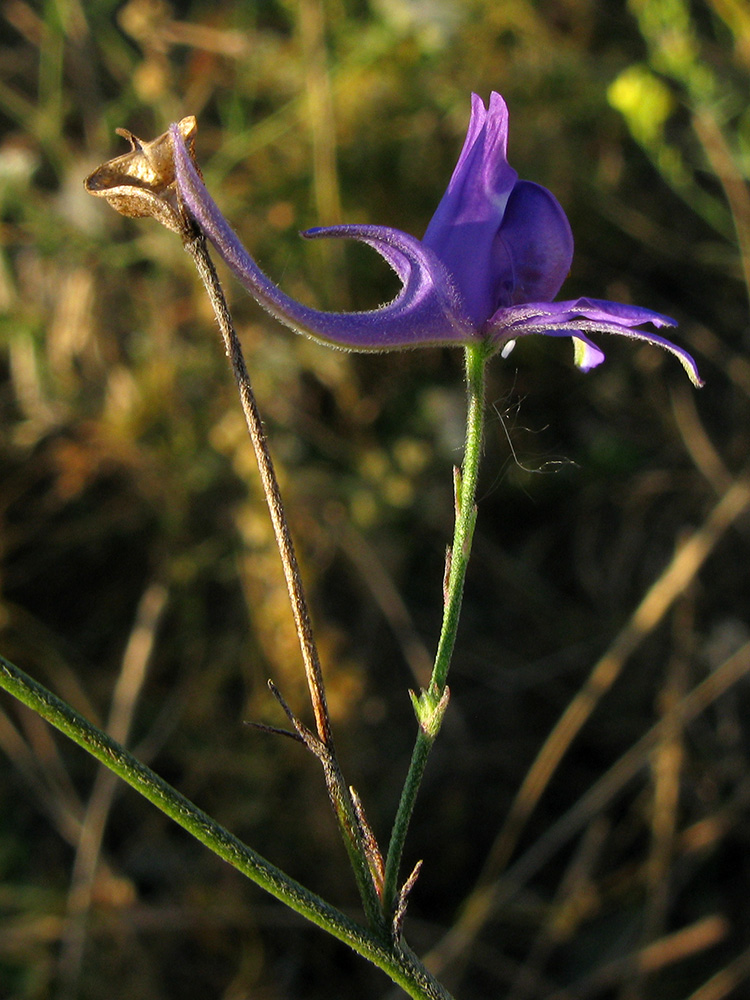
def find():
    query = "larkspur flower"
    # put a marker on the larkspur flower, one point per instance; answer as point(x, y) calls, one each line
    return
point(492, 260)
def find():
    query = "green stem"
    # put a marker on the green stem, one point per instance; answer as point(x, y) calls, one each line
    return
point(430, 706)
point(398, 962)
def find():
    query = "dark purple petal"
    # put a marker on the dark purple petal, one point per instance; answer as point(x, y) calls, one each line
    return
point(600, 310)
point(577, 318)
point(533, 250)
point(426, 311)
point(463, 229)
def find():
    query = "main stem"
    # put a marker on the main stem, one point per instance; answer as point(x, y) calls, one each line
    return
point(431, 704)
point(399, 963)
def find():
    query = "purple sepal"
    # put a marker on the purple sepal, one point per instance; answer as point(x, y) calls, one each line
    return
point(464, 227)
point(426, 310)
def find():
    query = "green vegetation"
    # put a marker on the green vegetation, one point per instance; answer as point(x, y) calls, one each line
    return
point(139, 578)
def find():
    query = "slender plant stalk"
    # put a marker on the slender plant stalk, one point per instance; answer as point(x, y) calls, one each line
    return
point(430, 706)
point(339, 792)
point(195, 244)
point(398, 962)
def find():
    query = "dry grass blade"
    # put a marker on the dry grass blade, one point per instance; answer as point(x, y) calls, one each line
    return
point(124, 700)
point(698, 443)
point(672, 948)
point(389, 600)
point(686, 563)
point(724, 984)
point(568, 907)
point(55, 802)
point(735, 187)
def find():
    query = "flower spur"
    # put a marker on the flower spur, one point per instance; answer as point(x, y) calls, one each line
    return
point(489, 266)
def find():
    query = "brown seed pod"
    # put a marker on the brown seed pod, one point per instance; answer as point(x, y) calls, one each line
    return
point(142, 182)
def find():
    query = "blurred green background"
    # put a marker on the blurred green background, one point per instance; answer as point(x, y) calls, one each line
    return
point(139, 579)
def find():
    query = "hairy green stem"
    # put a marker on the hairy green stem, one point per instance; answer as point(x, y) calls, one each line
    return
point(398, 962)
point(430, 706)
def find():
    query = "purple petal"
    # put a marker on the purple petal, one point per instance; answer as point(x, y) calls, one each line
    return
point(585, 353)
point(426, 311)
point(534, 248)
point(463, 229)
point(577, 318)
point(598, 310)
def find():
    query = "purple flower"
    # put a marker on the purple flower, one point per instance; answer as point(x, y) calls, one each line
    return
point(492, 260)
